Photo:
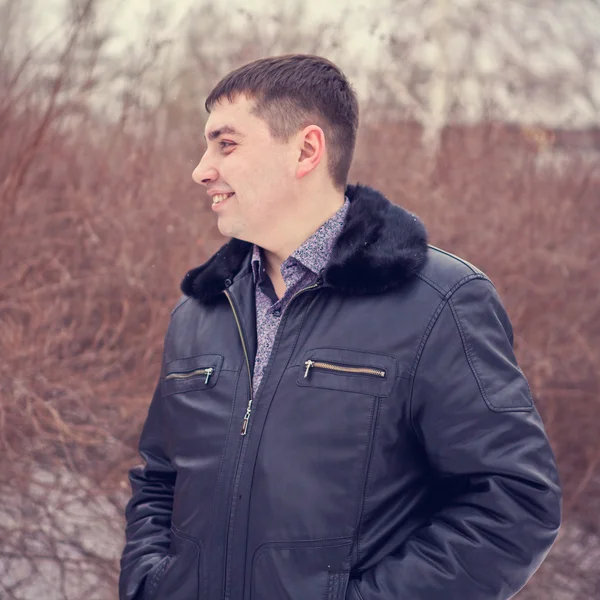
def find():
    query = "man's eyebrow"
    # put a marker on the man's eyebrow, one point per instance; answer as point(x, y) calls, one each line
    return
point(226, 129)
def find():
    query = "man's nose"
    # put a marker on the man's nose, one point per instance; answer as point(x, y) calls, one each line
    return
point(203, 174)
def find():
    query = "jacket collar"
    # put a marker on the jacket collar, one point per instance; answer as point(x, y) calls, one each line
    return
point(379, 249)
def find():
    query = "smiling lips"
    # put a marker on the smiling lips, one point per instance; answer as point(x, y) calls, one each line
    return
point(218, 198)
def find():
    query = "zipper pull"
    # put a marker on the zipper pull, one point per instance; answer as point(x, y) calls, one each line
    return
point(245, 422)
point(209, 372)
point(309, 364)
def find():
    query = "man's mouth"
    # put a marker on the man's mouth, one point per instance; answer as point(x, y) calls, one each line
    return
point(221, 198)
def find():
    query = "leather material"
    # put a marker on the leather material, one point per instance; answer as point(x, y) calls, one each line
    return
point(435, 480)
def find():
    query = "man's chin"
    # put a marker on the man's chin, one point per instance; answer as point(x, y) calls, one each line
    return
point(226, 229)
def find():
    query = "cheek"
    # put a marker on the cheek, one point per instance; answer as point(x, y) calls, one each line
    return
point(281, 169)
point(261, 176)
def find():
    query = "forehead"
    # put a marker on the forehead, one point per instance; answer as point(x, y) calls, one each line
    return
point(237, 115)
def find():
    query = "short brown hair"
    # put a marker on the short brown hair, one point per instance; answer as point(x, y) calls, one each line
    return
point(296, 90)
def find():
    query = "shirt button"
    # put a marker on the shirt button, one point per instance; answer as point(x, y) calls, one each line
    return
point(277, 312)
point(228, 282)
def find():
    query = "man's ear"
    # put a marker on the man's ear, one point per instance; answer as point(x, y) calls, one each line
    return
point(312, 150)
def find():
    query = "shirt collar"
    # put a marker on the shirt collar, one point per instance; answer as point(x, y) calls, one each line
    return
point(314, 253)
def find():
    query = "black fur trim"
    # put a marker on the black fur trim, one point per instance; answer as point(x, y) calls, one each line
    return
point(380, 247)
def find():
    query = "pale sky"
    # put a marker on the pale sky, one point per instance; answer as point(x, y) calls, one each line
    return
point(544, 38)
point(126, 15)
point(126, 19)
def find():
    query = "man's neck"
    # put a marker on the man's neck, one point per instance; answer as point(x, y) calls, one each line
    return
point(275, 258)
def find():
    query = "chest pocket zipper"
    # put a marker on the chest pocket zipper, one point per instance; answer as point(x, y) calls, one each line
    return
point(186, 375)
point(347, 370)
point(310, 364)
point(191, 374)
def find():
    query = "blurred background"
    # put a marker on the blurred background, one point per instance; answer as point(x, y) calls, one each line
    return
point(482, 117)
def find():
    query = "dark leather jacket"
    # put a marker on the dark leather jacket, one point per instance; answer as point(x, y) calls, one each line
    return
point(392, 452)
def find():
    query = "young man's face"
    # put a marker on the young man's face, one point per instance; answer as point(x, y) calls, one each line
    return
point(244, 160)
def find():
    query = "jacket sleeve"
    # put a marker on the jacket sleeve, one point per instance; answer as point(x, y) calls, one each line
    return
point(473, 413)
point(148, 512)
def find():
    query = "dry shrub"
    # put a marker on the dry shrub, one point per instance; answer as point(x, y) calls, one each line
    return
point(91, 263)
point(99, 222)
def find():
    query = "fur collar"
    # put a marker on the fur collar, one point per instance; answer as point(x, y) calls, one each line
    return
point(380, 247)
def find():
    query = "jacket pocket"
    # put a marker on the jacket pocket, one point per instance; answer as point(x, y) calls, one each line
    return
point(301, 570)
point(177, 576)
point(189, 374)
point(348, 371)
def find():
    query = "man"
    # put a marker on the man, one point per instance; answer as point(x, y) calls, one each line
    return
point(339, 413)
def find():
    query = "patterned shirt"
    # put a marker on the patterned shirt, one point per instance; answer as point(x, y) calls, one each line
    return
point(301, 269)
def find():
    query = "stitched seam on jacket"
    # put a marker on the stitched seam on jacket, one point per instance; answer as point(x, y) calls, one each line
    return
point(200, 553)
point(435, 316)
point(527, 382)
point(426, 336)
point(168, 337)
point(181, 302)
point(227, 436)
point(186, 536)
point(471, 359)
point(469, 355)
point(357, 590)
point(374, 415)
point(196, 356)
point(303, 544)
point(223, 453)
point(262, 549)
point(457, 258)
point(432, 283)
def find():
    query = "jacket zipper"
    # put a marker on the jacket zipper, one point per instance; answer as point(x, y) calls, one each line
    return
point(244, 429)
point(310, 364)
point(249, 407)
point(208, 372)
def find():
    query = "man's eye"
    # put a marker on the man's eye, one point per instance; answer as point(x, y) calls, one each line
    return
point(225, 144)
